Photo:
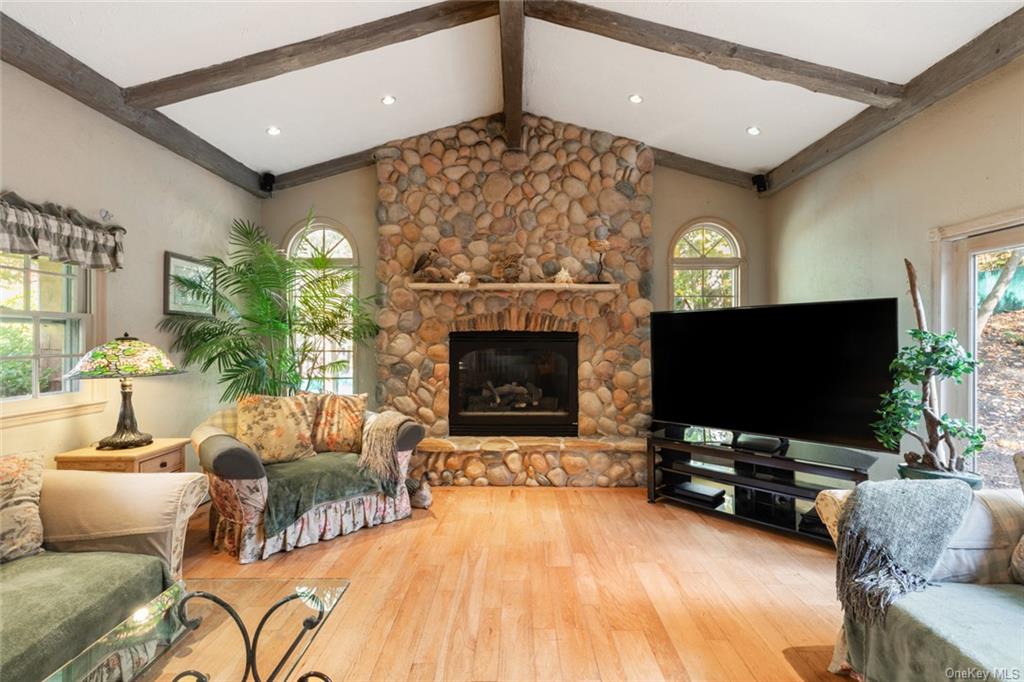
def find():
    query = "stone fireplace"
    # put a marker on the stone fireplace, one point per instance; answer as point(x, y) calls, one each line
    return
point(478, 363)
point(512, 382)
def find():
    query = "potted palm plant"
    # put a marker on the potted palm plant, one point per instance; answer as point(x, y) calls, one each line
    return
point(948, 443)
point(275, 315)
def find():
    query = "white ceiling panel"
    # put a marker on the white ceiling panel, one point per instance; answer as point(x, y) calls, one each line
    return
point(335, 109)
point(689, 107)
point(894, 41)
point(136, 42)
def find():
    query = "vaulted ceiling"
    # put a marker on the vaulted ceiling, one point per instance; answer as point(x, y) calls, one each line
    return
point(333, 109)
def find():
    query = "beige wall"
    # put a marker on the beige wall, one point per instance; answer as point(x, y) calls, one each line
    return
point(56, 149)
point(680, 198)
point(843, 231)
point(351, 200)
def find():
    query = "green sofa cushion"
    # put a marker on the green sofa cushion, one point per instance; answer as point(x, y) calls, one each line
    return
point(55, 605)
point(958, 627)
point(293, 488)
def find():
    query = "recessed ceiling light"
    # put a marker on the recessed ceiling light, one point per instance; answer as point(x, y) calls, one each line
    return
point(273, 131)
point(636, 99)
point(388, 100)
point(753, 130)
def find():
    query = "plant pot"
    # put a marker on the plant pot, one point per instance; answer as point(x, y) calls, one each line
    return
point(969, 477)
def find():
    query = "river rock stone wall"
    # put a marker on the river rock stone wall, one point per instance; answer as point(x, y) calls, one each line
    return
point(531, 461)
point(457, 199)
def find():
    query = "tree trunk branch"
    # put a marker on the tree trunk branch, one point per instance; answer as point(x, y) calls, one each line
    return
point(991, 300)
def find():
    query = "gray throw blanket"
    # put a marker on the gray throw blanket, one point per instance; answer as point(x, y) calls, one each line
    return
point(891, 535)
point(378, 455)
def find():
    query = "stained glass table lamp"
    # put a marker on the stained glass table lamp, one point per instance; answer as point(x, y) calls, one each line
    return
point(124, 358)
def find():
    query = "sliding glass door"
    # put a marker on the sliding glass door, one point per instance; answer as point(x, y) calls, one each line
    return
point(991, 290)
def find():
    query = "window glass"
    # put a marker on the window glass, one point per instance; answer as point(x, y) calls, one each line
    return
point(705, 268)
point(43, 325)
point(340, 357)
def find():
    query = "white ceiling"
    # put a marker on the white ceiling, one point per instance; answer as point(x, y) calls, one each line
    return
point(454, 75)
point(334, 109)
point(689, 107)
point(135, 42)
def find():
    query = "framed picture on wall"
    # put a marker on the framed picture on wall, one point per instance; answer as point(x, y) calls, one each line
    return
point(177, 300)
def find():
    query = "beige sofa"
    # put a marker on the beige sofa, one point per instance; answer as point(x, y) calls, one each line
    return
point(113, 543)
point(979, 554)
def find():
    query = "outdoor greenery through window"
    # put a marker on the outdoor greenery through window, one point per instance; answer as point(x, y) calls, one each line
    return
point(339, 357)
point(999, 345)
point(705, 268)
point(44, 318)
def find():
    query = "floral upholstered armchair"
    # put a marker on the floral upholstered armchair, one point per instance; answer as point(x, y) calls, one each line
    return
point(260, 508)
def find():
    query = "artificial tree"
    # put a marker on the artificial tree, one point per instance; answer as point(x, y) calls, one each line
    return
point(931, 359)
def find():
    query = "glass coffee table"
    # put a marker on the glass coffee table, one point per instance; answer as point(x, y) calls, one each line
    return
point(231, 629)
point(247, 628)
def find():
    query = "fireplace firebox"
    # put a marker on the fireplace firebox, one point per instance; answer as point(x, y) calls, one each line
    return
point(513, 383)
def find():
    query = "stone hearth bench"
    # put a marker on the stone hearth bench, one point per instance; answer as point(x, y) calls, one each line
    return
point(531, 461)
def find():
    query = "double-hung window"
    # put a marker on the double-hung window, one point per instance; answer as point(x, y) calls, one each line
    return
point(45, 320)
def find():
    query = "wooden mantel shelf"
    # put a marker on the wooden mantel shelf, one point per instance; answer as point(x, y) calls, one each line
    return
point(515, 286)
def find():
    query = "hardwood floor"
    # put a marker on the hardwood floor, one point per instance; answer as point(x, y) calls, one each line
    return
point(560, 583)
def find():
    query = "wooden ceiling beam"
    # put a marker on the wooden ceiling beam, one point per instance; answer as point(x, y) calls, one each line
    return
point(703, 168)
point(996, 47)
point(304, 54)
point(365, 158)
point(326, 169)
point(721, 53)
point(512, 24)
point(46, 62)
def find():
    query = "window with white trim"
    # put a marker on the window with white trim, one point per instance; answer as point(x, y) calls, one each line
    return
point(705, 268)
point(45, 319)
point(322, 237)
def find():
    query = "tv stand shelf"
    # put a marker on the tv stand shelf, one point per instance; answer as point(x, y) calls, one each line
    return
point(768, 490)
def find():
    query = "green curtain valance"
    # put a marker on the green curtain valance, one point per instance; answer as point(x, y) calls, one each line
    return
point(60, 234)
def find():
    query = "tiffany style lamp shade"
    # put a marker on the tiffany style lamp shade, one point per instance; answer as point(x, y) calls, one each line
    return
point(124, 358)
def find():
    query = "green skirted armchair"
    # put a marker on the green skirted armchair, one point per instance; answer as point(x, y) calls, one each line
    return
point(261, 509)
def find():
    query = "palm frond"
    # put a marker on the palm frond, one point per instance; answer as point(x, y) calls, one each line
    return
point(274, 314)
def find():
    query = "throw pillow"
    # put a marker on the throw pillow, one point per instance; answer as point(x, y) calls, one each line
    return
point(21, 529)
point(339, 423)
point(1017, 561)
point(279, 429)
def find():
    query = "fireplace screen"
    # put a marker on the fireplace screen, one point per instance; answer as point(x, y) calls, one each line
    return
point(513, 383)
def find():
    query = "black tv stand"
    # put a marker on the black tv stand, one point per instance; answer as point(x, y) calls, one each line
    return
point(774, 490)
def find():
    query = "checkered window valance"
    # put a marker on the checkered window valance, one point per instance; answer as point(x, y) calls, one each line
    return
point(60, 234)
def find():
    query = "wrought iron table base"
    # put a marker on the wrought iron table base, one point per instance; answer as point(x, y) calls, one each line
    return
point(251, 646)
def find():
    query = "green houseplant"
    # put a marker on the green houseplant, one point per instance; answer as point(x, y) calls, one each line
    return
point(948, 442)
point(275, 316)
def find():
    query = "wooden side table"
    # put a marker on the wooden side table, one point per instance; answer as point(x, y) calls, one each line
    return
point(161, 456)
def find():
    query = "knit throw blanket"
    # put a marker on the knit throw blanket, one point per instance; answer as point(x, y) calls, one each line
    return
point(891, 535)
point(378, 455)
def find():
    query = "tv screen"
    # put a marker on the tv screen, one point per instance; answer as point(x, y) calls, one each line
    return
point(807, 371)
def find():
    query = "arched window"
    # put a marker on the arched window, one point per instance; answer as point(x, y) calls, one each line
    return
point(321, 237)
point(705, 265)
point(325, 236)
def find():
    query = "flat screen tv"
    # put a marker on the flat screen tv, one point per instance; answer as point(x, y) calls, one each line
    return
point(806, 371)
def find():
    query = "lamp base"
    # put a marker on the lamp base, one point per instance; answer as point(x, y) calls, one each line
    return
point(127, 434)
point(121, 440)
